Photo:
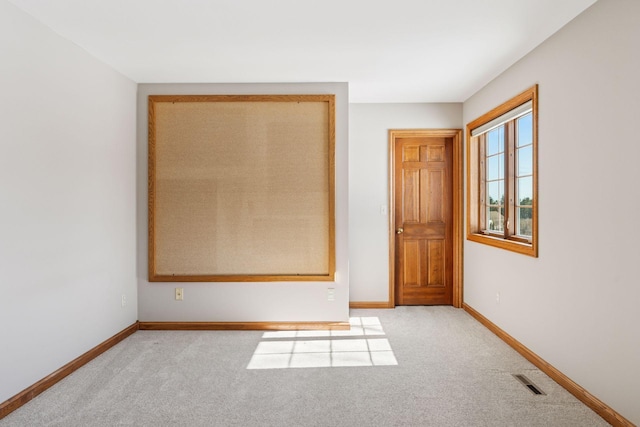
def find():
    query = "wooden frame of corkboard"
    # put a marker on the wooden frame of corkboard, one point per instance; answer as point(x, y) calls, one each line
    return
point(241, 188)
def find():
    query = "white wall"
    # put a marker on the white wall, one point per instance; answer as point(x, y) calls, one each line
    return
point(577, 304)
point(256, 301)
point(369, 125)
point(67, 201)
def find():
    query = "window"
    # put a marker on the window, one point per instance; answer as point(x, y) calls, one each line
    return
point(502, 176)
point(241, 188)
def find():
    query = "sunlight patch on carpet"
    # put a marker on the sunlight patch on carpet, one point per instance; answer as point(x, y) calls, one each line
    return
point(359, 346)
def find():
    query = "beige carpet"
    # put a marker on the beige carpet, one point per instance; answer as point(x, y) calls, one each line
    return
point(450, 371)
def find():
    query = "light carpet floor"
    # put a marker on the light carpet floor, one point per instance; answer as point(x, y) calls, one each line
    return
point(451, 371)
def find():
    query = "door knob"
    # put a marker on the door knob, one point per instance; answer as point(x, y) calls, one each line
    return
point(400, 230)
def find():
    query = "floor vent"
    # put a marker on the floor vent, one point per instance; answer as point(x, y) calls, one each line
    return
point(528, 384)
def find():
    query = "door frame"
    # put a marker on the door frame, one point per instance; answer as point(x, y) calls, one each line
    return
point(457, 214)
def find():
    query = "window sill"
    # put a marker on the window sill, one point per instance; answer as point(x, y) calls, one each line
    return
point(529, 249)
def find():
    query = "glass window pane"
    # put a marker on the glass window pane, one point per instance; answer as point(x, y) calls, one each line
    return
point(525, 221)
point(525, 191)
point(495, 191)
point(495, 168)
point(525, 130)
point(495, 219)
point(495, 140)
point(525, 161)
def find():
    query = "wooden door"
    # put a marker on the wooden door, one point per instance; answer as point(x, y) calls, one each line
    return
point(423, 187)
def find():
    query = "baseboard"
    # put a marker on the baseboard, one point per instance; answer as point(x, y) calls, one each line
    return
point(599, 407)
point(370, 304)
point(29, 393)
point(242, 326)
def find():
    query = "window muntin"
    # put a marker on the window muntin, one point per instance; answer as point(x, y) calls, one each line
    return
point(502, 178)
point(524, 175)
point(494, 180)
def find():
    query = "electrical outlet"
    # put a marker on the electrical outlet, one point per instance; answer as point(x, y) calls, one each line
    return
point(124, 300)
point(179, 294)
point(498, 297)
point(331, 294)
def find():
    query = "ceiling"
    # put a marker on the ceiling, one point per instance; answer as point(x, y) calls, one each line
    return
point(388, 51)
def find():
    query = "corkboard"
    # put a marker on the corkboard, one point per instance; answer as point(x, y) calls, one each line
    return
point(241, 188)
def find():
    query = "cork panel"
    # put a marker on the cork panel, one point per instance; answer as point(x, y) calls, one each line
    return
point(241, 188)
